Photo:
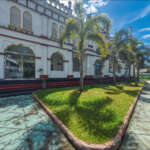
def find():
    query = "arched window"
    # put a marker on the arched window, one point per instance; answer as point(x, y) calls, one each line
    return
point(54, 35)
point(76, 64)
point(74, 42)
point(27, 21)
point(98, 51)
point(57, 62)
point(97, 67)
point(15, 17)
point(19, 62)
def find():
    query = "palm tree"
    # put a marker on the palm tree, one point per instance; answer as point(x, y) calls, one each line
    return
point(133, 47)
point(118, 44)
point(86, 28)
point(127, 56)
point(139, 51)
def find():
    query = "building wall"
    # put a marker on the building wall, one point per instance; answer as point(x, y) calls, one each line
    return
point(42, 47)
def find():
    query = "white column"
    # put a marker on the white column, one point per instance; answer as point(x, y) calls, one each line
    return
point(1, 59)
point(1, 66)
point(69, 64)
point(37, 67)
point(44, 60)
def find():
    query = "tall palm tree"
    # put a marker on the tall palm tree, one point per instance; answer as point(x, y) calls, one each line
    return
point(118, 44)
point(133, 46)
point(86, 28)
point(139, 51)
point(128, 58)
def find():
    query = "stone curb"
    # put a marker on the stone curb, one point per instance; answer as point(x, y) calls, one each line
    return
point(80, 145)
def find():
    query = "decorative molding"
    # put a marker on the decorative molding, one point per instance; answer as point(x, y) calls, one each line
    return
point(47, 45)
point(30, 34)
point(36, 10)
point(9, 46)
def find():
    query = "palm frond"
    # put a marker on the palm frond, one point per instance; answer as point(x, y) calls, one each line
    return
point(71, 30)
point(99, 23)
point(99, 39)
point(121, 38)
point(79, 10)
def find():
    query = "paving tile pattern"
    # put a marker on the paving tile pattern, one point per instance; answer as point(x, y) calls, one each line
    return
point(138, 132)
point(24, 125)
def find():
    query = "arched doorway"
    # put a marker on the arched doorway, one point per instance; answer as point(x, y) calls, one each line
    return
point(57, 62)
point(97, 68)
point(19, 62)
point(76, 64)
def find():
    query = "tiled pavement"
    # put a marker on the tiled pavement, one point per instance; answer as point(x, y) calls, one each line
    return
point(138, 133)
point(25, 126)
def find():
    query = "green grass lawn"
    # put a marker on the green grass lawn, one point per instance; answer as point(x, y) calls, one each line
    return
point(95, 115)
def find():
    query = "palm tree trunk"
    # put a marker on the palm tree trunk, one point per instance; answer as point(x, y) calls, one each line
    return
point(138, 72)
point(129, 73)
point(114, 72)
point(134, 75)
point(81, 74)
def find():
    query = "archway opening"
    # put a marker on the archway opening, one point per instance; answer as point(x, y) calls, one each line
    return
point(76, 64)
point(57, 63)
point(97, 68)
point(19, 62)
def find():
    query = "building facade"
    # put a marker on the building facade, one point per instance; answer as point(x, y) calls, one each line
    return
point(29, 43)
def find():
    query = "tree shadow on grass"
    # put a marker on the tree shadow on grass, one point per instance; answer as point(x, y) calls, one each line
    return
point(44, 96)
point(119, 89)
point(95, 117)
point(72, 100)
point(69, 109)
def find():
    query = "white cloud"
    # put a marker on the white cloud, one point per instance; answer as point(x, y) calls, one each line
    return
point(132, 17)
point(143, 13)
point(90, 9)
point(92, 6)
point(98, 3)
point(144, 29)
point(146, 43)
point(146, 36)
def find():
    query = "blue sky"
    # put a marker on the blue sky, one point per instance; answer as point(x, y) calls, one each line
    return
point(125, 13)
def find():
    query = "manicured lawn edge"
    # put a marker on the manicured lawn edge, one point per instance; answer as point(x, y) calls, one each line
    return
point(80, 145)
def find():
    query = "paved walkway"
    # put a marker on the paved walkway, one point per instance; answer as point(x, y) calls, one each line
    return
point(138, 133)
point(25, 126)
